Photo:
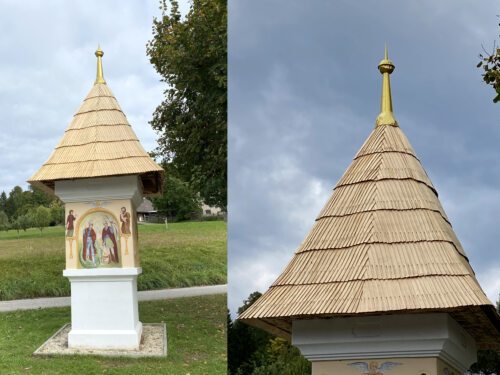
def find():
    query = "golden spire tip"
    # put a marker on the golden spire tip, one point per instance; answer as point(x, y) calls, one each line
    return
point(99, 76)
point(386, 117)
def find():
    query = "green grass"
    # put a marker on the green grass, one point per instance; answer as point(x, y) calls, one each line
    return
point(185, 254)
point(196, 330)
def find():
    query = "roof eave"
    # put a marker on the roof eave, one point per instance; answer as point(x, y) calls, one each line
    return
point(481, 322)
point(151, 182)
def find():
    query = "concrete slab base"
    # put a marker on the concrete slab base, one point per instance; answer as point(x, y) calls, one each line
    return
point(153, 344)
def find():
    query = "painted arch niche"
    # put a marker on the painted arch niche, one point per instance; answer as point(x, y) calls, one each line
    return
point(98, 240)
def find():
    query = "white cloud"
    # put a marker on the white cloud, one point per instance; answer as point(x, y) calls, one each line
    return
point(490, 281)
point(49, 66)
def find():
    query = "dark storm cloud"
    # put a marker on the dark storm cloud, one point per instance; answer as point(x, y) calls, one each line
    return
point(304, 95)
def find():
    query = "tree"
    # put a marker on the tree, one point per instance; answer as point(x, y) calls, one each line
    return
point(252, 351)
point(191, 56)
point(178, 200)
point(283, 359)
point(56, 212)
point(3, 201)
point(16, 226)
point(4, 221)
point(488, 361)
point(490, 62)
point(246, 344)
point(24, 222)
point(38, 197)
point(41, 218)
point(15, 201)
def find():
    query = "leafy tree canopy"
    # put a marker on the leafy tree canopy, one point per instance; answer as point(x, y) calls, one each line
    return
point(40, 217)
point(4, 221)
point(20, 202)
point(179, 200)
point(283, 359)
point(191, 55)
point(488, 361)
point(252, 351)
point(56, 212)
point(490, 62)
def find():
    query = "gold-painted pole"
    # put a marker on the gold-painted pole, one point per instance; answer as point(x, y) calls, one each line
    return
point(99, 76)
point(126, 236)
point(70, 248)
point(386, 117)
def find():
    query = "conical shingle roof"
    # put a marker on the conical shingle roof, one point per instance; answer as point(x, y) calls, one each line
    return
point(99, 142)
point(382, 244)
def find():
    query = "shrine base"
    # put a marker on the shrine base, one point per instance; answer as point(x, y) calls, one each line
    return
point(104, 310)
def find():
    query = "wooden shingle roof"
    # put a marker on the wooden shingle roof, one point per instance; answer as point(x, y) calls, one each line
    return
point(382, 244)
point(99, 142)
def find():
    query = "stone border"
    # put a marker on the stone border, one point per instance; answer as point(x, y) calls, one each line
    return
point(147, 348)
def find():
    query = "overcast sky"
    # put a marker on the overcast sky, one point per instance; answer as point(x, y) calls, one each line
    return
point(304, 95)
point(48, 66)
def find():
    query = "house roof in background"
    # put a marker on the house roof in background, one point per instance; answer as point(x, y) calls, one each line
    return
point(146, 206)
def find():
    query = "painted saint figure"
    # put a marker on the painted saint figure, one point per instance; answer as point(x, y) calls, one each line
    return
point(125, 219)
point(109, 242)
point(89, 237)
point(70, 227)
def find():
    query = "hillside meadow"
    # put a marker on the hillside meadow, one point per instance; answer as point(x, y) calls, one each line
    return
point(182, 255)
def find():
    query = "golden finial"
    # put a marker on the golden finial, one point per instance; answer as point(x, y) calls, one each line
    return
point(99, 77)
point(386, 117)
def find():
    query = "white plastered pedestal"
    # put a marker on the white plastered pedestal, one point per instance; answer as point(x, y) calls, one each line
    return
point(104, 310)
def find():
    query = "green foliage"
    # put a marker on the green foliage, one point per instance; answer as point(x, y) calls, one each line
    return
point(56, 212)
point(14, 202)
point(283, 359)
point(490, 62)
point(191, 56)
point(245, 343)
point(40, 217)
point(3, 201)
point(20, 202)
point(178, 200)
point(249, 302)
point(488, 361)
point(15, 225)
point(4, 221)
point(23, 222)
point(252, 351)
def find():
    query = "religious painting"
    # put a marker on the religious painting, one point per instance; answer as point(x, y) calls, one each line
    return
point(125, 220)
point(373, 368)
point(70, 224)
point(70, 231)
point(99, 240)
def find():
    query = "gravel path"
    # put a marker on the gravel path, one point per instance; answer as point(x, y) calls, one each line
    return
point(146, 295)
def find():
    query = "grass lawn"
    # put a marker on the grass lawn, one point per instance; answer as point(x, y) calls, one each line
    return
point(196, 331)
point(185, 254)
